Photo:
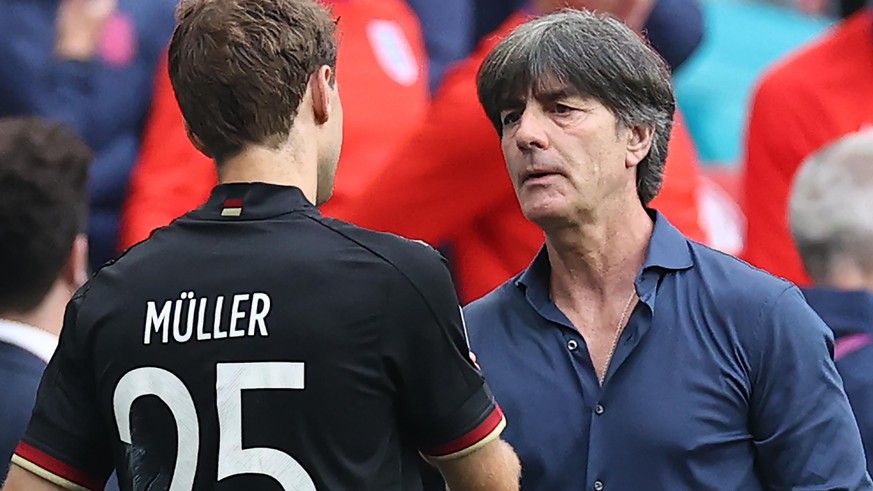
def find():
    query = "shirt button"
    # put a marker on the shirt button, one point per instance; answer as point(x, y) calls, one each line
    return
point(598, 486)
point(572, 345)
point(598, 409)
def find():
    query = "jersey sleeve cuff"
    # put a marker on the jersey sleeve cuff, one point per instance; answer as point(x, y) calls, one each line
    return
point(53, 470)
point(489, 429)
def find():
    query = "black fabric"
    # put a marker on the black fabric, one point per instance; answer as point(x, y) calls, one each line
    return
point(364, 361)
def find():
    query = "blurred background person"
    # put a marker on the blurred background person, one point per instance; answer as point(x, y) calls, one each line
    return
point(448, 28)
point(808, 100)
point(831, 217)
point(43, 257)
point(382, 73)
point(88, 63)
point(673, 27)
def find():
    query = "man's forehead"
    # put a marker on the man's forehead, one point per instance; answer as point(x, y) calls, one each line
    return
point(542, 91)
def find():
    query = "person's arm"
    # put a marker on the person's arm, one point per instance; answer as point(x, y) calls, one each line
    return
point(66, 442)
point(855, 371)
point(494, 467)
point(803, 429)
point(22, 480)
point(444, 403)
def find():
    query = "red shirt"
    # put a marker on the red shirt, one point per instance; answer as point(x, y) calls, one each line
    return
point(382, 77)
point(448, 185)
point(816, 96)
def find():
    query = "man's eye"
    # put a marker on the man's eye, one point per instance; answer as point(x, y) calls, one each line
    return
point(509, 118)
point(562, 109)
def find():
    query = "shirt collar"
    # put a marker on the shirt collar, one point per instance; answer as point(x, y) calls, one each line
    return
point(41, 344)
point(248, 201)
point(844, 311)
point(668, 250)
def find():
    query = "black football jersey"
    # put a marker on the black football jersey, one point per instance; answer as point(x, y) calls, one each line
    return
point(255, 344)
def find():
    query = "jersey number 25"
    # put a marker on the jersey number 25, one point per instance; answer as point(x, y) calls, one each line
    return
point(231, 380)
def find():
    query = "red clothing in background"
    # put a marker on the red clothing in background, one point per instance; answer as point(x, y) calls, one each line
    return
point(816, 96)
point(382, 77)
point(449, 186)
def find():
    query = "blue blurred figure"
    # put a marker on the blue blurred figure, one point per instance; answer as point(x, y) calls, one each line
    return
point(91, 64)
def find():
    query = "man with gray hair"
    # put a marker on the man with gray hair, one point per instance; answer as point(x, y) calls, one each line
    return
point(831, 218)
point(628, 357)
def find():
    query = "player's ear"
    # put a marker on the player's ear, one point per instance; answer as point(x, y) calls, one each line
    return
point(323, 85)
point(196, 141)
point(75, 272)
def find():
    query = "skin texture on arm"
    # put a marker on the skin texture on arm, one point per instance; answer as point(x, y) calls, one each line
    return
point(22, 480)
point(493, 467)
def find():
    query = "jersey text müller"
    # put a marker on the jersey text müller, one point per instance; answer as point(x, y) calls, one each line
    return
point(185, 318)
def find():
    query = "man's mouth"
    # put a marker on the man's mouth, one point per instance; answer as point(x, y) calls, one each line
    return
point(539, 176)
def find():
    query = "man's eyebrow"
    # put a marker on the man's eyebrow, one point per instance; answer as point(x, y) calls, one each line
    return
point(551, 95)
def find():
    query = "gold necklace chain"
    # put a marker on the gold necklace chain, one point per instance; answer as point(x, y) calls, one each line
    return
point(618, 330)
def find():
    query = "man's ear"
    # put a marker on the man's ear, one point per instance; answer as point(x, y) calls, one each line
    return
point(639, 142)
point(323, 86)
point(75, 272)
point(196, 141)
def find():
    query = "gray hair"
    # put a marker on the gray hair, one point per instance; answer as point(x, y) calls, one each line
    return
point(831, 206)
point(599, 57)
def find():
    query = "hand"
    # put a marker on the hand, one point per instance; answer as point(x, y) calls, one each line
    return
point(79, 26)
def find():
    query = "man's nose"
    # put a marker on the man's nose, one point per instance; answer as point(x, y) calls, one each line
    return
point(531, 133)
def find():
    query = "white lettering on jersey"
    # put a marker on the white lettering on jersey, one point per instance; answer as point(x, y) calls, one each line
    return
point(188, 315)
point(157, 322)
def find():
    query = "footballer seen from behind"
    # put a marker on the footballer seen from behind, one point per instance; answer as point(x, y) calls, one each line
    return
point(254, 343)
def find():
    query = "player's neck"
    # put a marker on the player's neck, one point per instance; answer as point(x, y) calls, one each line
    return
point(49, 314)
point(289, 165)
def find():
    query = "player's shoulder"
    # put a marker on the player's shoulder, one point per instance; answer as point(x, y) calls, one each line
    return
point(808, 68)
point(109, 283)
point(413, 259)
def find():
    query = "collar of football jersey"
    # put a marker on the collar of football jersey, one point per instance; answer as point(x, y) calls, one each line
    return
point(252, 201)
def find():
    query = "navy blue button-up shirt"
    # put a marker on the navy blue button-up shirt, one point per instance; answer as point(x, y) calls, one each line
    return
point(849, 314)
point(722, 380)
